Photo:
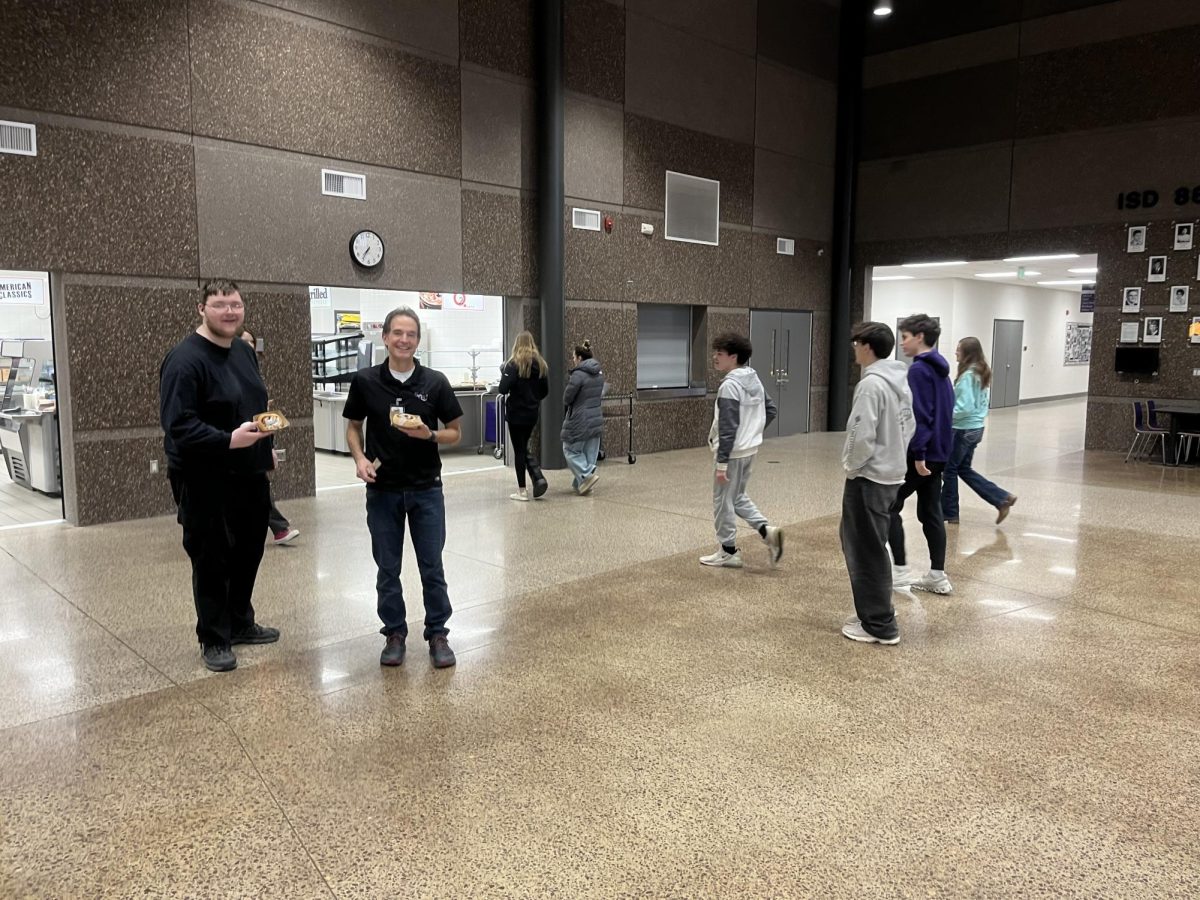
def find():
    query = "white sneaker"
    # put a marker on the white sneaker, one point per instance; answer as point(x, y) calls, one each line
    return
point(902, 577)
point(856, 632)
point(934, 584)
point(774, 539)
point(522, 495)
point(589, 482)
point(721, 558)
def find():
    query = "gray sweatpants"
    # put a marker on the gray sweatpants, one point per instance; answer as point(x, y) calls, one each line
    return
point(730, 502)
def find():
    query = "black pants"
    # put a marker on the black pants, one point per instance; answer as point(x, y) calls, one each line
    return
point(223, 520)
point(866, 507)
point(928, 489)
point(522, 459)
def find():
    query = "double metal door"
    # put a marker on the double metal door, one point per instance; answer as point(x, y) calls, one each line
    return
point(1007, 338)
point(783, 359)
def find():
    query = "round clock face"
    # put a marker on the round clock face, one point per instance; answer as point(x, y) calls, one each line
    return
point(367, 248)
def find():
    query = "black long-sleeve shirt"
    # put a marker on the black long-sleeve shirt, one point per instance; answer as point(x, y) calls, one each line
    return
point(524, 394)
point(205, 391)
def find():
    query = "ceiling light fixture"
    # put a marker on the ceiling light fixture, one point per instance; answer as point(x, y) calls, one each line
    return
point(892, 277)
point(1068, 281)
point(1043, 256)
point(1002, 274)
point(882, 8)
point(933, 265)
point(1084, 271)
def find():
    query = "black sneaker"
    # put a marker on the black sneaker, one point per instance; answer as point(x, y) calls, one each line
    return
point(440, 652)
point(219, 658)
point(540, 486)
point(256, 634)
point(393, 650)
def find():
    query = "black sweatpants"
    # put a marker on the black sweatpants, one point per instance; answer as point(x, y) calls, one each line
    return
point(520, 435)
point(223, 519)
point(928, 489)
point(866, 507)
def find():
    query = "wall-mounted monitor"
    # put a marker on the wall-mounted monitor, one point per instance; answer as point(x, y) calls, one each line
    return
point(1137, 361)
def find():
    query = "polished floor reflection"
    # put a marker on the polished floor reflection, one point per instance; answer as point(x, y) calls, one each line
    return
point(623, 721)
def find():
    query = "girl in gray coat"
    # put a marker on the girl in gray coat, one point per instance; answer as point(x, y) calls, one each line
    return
point(583, 421)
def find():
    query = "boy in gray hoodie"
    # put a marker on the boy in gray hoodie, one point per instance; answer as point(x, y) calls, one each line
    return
point(875, 459)
point(743, 409)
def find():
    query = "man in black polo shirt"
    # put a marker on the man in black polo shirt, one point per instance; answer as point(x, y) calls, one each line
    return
point(217, 461)
point(403, 472)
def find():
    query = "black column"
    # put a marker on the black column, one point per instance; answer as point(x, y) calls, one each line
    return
point(549, 74)
point(850, 58)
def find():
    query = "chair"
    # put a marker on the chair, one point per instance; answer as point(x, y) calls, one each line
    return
point(1142, 430)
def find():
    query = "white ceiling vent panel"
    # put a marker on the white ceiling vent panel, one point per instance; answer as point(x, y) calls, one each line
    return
point(18, 138)
point(343, 184)
point(587, 219)
point(693, 209)
point(785, 246)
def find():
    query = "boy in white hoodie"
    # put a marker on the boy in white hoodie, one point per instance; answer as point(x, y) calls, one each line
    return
point(743, 409)
point(875, 460)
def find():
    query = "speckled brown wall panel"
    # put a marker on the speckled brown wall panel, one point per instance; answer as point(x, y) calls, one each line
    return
point(795, 114)
point(940, 19)
point(262, 78)
point(1137, 79)
point(818, 413)
point(952, 109)
point(499, 243)
point(612, 330)
point(498, 34)
point(674, 75)
point(594, 49)
point(77, 59)
point(593, 262)
point(653, 147)
point(499, 145)
point(948, 193)
point(97, 202)
point(792, 196)
point(672, 424)
point(114, 481)
point(262, 217)
point(1031, 8)
point(718, 322)
point(1110, 422)
point(819, 372)
point(282, 319)
point(296, 475)
point(801, 281)
point(728, 23)
point(802, 34)
point(427, 24)
point(593, 151)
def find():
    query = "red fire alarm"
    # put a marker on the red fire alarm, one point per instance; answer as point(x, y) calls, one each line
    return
point(608, 223)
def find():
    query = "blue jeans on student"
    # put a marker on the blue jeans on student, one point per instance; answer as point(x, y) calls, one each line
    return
point(959, 466)
point(425, 512)
point(581, 459)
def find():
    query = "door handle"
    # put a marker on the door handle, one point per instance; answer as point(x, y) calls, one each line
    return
point(773, 359)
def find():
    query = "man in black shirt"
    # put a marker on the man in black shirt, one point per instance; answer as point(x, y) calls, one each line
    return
point(403, 472)
point(217, 460)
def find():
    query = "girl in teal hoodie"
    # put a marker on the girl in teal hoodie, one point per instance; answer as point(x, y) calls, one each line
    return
point(971, 393)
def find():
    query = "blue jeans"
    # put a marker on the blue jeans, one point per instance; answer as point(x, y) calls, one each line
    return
point(959, 466)
point(426, 514)
point(581, 459)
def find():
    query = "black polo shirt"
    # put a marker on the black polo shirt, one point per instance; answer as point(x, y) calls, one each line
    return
point(406, 463)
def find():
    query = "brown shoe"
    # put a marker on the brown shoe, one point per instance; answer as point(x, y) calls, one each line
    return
point(1004, 508)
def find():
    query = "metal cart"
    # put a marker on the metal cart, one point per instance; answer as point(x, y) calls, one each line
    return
point(499, 401)
point(613, 406)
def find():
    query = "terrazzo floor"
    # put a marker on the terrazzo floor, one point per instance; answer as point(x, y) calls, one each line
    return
point(623, 722)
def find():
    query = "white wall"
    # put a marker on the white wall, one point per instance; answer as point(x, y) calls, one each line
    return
point(969, 308)
point(26, 320)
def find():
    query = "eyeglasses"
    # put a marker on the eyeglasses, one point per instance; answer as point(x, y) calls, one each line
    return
point(221, 307)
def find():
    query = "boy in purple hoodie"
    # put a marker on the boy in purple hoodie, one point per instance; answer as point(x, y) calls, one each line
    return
point(933, 409)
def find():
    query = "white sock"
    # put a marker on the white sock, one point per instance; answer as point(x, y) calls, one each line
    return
point(937, 573)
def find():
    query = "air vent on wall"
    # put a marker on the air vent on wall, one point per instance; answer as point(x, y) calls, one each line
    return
point(343, 184)
point(785, 246)
point(693, 209)
point(19, 138)
point(587, 219)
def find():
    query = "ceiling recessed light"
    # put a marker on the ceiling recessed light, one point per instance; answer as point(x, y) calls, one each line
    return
point(933, 265)
point(1084, 271)
point(1002, 274)
point(1043, 256)
point(1068, 281)
point(891, 277)
point(882, 8)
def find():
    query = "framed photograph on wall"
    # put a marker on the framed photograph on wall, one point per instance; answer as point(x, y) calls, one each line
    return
point(1183, 236)
point(1136, 241)
point(1179, 298)
point(1194, 330)
point(1129, 332)
point(1131, 301)
point(1152, 334)
point(1158, 269)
